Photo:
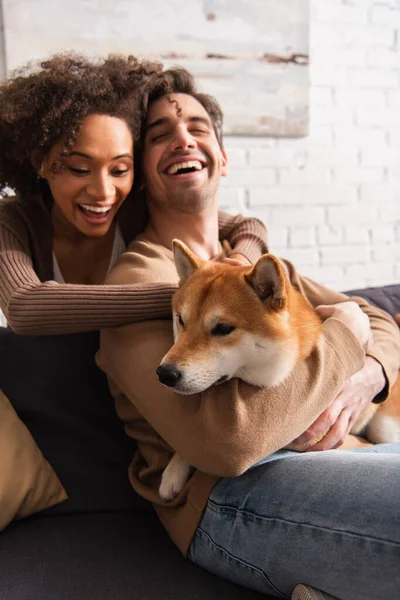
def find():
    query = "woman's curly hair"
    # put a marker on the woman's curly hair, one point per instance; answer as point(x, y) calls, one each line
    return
point(39, 107)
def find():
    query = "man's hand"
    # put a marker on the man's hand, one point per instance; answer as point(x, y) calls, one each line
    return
point(351, 315)
point(236, 260)
point(358, 391)
point(342, 414)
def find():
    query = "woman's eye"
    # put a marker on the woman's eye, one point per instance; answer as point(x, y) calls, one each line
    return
point(119, 172)
point(180, 321)
point(78, 171)
point(223, 329)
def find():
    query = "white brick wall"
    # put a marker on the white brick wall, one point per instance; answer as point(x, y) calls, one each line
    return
point(331, 201)
point(2, 44)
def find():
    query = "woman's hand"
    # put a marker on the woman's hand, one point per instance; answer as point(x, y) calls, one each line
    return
point(236, 260)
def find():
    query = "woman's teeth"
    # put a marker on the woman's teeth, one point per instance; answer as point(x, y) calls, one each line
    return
point(95, 209)
point(190, 164)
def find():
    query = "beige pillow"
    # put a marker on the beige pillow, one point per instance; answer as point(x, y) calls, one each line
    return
point(27, 481)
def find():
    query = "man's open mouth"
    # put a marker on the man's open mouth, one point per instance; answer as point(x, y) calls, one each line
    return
point(184, 167)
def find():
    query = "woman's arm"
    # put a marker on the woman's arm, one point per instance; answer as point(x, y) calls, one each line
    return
point(32, 307)
point(246, 236)
point(35, 308)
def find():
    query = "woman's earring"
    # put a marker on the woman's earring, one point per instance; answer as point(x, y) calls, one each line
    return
point(41, 170)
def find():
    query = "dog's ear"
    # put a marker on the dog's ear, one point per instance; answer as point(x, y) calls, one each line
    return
point(185, 261)
point(268, 280)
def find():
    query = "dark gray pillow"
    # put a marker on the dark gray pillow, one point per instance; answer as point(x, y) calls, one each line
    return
point(63, 398)
point(386, 297)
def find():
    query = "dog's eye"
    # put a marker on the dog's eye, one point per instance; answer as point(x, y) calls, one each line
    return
point(180, 321)
point(223, 329)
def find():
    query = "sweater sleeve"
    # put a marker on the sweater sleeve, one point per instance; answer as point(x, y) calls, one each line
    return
point(386, 347)
point(32, 307)
point(247, 236)
point(228, 427)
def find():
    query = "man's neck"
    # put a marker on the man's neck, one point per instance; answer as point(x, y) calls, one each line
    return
point(198, 231)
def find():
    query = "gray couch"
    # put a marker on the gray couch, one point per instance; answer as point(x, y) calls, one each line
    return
point(105, 542)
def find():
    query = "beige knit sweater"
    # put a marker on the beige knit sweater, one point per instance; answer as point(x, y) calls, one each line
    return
point(228, 428)
point(34, 304)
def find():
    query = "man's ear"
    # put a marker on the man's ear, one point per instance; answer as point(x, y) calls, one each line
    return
point(269, 282)
point(224, 163)
point(185, 261)
point(37, 162)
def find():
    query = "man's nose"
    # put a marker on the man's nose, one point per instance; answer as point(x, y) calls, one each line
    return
point(183, 140)
point(100, 187)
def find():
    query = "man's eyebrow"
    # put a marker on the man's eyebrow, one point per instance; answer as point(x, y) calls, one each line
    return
point(156, 123)
point(167, 121)
point(76, 153)
point(203, 120)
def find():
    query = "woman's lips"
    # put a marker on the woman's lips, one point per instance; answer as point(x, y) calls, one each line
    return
point(95, 215)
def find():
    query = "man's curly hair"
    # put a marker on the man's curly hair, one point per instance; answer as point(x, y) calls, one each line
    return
point(178, 80)
point(39, 107)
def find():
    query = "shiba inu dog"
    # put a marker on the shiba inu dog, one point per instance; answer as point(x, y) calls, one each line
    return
point(247, 322)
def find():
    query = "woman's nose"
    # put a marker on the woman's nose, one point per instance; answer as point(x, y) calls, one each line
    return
point(101, 187)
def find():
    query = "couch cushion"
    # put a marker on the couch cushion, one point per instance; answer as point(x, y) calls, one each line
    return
point(27, 481)
point(63, 398)
point(102, 557)
point(386, 297)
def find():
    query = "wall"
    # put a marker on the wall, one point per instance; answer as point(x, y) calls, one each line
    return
point(331, 201)
point(2, 46)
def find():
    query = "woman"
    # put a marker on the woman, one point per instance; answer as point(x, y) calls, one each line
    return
point(68, 133)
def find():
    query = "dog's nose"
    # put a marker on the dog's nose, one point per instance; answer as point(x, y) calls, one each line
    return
point(168, 375)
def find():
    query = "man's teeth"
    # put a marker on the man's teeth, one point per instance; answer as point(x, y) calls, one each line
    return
point(96, 209)
point(191, 164)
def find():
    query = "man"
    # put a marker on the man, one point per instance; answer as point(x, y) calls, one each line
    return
point(323, 518)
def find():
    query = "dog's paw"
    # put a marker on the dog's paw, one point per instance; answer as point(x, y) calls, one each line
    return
point(169, 489)
point(174, 478)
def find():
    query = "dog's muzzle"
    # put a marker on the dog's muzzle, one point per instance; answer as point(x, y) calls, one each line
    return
point(168, 375)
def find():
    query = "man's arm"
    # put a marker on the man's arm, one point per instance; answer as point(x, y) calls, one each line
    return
point(372, 383)
point(247, 236)
point(386, 347)
point(229, 427)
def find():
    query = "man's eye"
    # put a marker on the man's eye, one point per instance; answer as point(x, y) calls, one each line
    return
point(158, 137)
point(180, 321)
point(223, 329)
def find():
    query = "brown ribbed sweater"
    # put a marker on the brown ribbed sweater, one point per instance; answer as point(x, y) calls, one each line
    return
point(227, 428)
point(35, 305)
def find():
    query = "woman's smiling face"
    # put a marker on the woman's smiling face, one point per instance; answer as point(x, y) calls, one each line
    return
point(95, 178)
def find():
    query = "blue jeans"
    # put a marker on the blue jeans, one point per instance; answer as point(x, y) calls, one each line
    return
point(327, 519)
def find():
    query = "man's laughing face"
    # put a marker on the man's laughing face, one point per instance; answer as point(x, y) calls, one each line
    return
point(182, 159)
